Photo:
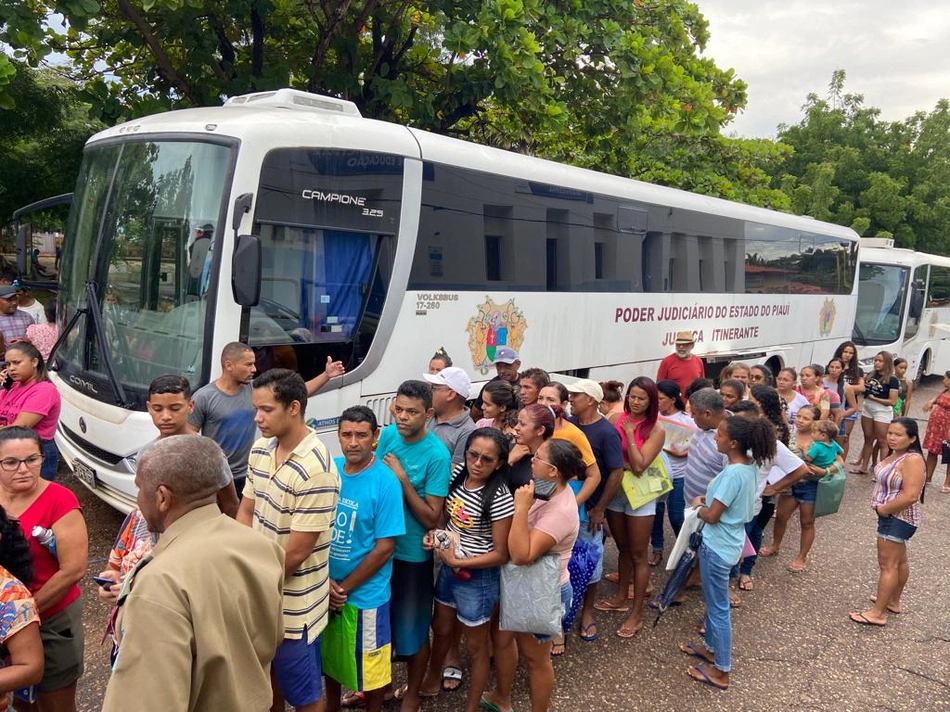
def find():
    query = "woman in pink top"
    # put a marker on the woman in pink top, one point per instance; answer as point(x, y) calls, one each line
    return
point(43, 336)
point(896, 499)
point(642, 442)
point(539, 527)
point(31, 401)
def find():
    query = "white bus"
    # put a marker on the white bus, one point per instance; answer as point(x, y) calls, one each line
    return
point(334, 235)
point(903, 307)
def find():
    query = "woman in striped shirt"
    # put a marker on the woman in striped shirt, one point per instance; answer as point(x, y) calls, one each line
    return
point(900, 481)
point(478, 512)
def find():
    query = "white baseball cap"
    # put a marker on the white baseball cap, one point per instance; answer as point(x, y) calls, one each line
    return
point(587, 387)
point(453, 377)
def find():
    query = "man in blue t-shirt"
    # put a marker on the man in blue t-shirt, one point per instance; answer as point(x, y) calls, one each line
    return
point(604, 439)
point(356, 644)
point(423, 466)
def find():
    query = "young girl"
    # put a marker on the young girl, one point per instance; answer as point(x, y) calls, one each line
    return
point(835, 382)
point(479, 510)
point(880, 395)
point(905, 388)
point(726, 507)
point(498, 399)
point(854, 378)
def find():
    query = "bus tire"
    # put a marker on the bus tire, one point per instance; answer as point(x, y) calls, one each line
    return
point(922, 368)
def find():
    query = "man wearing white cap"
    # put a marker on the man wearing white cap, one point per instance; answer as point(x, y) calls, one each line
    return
point(604, 439)
point(452, 421)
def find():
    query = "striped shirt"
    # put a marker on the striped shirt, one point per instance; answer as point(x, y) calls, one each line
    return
point(703, 462)
point(889, 485)
point(299, 495)
point(465, 516)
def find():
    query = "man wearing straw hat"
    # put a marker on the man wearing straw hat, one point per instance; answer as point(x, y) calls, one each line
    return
point(681, 366)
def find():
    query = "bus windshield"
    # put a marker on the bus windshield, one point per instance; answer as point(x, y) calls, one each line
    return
point(143, 225)
point(881, 298)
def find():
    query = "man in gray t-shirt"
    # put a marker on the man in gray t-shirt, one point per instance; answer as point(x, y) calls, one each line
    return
point(224, 410)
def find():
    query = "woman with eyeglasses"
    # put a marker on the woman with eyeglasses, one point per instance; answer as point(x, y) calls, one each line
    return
point(539, 527)
point(761, 375)
point(478, 511)
point(31, 401)
point(59, 561)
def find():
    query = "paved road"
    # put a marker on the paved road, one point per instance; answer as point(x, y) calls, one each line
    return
point(794, 647)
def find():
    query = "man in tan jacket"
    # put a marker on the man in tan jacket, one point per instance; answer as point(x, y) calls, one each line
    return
point(200, 617)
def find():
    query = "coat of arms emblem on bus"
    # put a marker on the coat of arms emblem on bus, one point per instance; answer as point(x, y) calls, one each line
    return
point(494, 326)
point(826, 317)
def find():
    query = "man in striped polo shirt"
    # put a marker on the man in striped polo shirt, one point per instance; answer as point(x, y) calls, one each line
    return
point(291, 496)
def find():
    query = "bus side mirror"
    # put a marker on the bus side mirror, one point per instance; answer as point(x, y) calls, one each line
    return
point(916, 303)
point(246, 271)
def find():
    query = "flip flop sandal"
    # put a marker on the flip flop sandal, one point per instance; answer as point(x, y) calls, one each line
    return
point(889, 609)
point(589, 637)
point(745, 583)
point(691, 649)
point(655, 558)
point(451, 673)
point(563, 647)
point(945, 489)
point(862, 619)
point(768, 551)
point(705, 679)
point(491, 706)
point(612, 577)
point(608, 605)
point(401, 691)
point(627, 633)
point(795, 570)
point(353, 700)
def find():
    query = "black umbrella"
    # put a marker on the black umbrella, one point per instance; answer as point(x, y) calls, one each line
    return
point(679, 575)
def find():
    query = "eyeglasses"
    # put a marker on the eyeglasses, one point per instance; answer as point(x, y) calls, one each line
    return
point(474, 457)
point(538, 459)
point(12, 464)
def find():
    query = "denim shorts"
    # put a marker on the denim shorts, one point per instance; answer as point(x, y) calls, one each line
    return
point(805, 491)
point(567, 597)
point(298, 668)
point(474, 600)
point(620, 503)
point(890, 528)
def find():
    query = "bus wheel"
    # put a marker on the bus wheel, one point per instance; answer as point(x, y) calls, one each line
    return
point(922, 368)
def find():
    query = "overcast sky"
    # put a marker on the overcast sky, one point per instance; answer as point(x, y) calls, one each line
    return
point(895, 53)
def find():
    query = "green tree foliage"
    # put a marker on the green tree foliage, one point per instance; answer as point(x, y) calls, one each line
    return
point(618, 85)
point(887, 179)
point(41, 138)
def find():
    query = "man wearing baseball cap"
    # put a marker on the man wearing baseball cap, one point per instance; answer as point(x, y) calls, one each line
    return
point(681, 365)
point(452, 421)
point(507, 364)
point(13, 320)
point(585, 395)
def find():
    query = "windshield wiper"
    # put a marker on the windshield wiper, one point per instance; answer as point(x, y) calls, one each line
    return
point(91, 308)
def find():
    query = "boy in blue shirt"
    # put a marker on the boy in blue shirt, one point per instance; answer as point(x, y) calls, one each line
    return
point(357, 642)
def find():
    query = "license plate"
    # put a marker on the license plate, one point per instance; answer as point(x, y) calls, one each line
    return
point(85, 474)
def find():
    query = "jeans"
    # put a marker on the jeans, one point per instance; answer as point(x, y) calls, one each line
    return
point(754, 530)
point(50, 460)
point(718, 621)
point(675, 506)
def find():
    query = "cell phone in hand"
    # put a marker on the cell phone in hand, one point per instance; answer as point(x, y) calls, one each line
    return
point(106, 583)
point(544, 489)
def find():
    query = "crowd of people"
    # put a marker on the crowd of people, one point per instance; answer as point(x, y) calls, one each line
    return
point(266, 572)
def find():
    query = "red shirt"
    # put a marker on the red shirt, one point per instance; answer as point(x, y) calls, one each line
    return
point(682, 370)
point(40, 397)
point(52, 505)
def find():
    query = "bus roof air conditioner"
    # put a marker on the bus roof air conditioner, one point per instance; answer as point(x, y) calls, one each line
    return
point(295, 99)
